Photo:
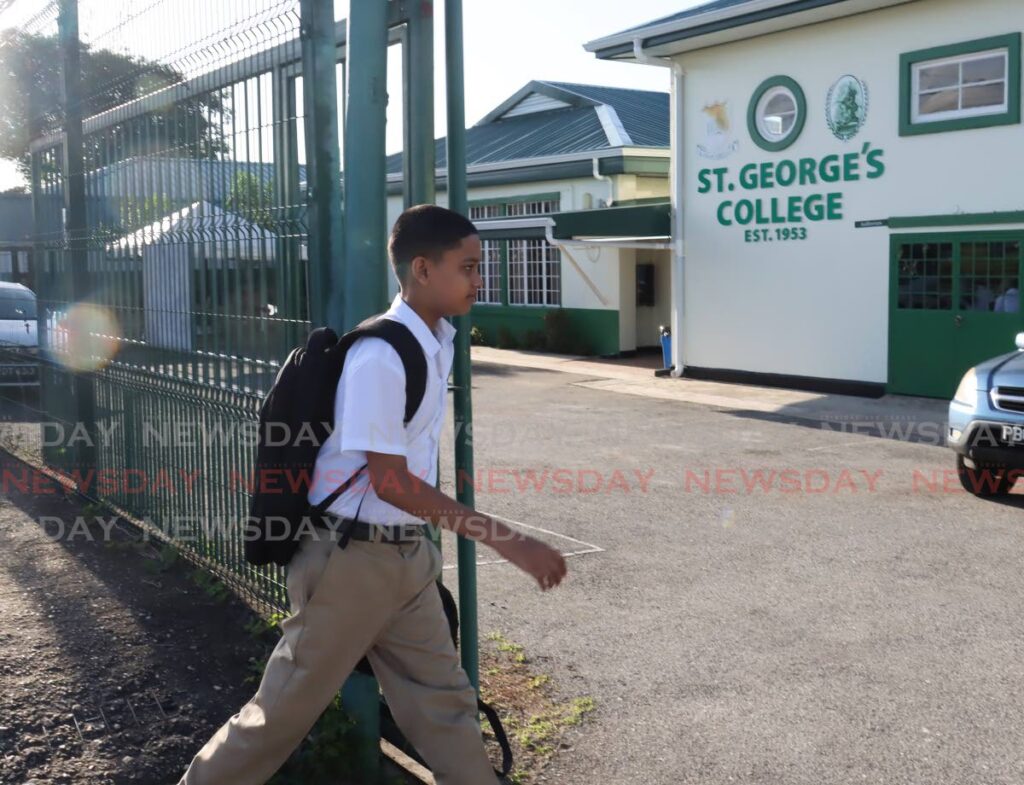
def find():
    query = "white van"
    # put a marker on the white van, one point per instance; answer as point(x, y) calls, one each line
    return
point(19, 341)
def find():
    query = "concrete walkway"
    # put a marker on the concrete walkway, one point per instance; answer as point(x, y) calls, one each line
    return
point(894, 416)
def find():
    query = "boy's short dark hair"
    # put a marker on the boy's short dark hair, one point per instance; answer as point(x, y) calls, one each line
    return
point(425, 230)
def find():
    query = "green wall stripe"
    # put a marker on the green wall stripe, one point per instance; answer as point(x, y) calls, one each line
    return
point(599, 328)
point(957, 219)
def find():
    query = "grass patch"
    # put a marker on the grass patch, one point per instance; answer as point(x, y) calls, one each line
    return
point(537, 721)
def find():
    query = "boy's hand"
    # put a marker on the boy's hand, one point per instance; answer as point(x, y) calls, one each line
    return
point(534, 557)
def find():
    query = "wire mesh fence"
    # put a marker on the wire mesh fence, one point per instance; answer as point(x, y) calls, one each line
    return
point(170, 269)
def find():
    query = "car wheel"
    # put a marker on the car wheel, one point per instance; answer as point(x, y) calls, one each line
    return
point(984, 481)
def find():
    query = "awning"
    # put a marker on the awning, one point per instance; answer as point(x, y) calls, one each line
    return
point(634, 222)
point(646, 225)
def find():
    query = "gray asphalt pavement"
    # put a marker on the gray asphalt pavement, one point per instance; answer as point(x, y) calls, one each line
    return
point(753, 600)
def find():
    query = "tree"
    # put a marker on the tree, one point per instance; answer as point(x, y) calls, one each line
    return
point(31, 104)
point(253, 198)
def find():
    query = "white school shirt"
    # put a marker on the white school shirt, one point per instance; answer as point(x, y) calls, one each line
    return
point(369, 408)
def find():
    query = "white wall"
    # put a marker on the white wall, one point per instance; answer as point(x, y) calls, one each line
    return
point(627, 299)
point(649, 318)
point(599, 266)
point(819, 307)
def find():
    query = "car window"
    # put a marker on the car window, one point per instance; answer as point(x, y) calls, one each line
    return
point(16, 305)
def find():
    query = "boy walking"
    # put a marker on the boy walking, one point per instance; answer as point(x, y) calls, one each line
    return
point(376, 596)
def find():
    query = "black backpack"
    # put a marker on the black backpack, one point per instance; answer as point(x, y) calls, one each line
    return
point(295, 419)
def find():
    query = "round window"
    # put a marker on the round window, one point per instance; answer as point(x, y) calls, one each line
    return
point(777, 113)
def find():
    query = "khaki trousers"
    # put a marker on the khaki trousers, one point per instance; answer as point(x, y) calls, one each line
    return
point(371, 598)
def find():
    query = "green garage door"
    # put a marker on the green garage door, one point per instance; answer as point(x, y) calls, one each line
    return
point(954, 301)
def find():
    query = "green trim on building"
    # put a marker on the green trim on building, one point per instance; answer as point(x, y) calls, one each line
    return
point(565, 170)
point(598, 328)
point(957, 219)
point(635, 164)
point(647, 220)
point(533, 233)
point(645, 200)
point(1011, 42)
point(801, 113)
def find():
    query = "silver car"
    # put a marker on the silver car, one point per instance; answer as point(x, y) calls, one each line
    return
point(986, 424)
point(19, 342)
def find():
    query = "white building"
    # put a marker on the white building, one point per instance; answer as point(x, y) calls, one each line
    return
point(550, 165)
point(849, 211)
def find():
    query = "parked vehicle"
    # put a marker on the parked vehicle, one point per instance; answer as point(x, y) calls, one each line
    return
point(986, 424)
point(19, 343)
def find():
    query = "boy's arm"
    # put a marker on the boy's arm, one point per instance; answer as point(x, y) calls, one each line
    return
point(395, 484)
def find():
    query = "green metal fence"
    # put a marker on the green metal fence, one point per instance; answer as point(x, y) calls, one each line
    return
point(185, 163)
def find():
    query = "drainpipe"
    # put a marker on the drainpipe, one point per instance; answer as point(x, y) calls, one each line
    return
point(676, 189)
point(606, 178)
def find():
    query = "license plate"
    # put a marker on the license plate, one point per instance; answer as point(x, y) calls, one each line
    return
point(1013, 434)
point(7, 371)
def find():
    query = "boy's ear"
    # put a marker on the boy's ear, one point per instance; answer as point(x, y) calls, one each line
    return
point(419, 268)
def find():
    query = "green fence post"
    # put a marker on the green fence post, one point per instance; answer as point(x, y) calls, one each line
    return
point(327, 263)
point(457, 201)
point(365, 281)
point(419, 160)
point(75, 220)
point(365, 172)
point(418, 63)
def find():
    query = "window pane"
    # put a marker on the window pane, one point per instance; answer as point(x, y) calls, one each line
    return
point(780, 103)
point(984, 95)
point(490, 272)
point(985, 70)
point(17, 307)
point(946, 101)
point(925, 276)
point(1008, 289)
point(932, 77)
point(516, 271)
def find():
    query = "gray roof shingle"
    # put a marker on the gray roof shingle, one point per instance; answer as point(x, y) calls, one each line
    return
point(643, 114)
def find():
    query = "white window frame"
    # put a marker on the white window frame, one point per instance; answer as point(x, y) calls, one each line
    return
point(517, 209)
point(759, 113)
point(483, 212)
point(524, 284)
point(956, 114)
point(490, 272)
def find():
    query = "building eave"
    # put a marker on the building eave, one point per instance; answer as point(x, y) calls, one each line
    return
point(620, 160)
point(759, 17)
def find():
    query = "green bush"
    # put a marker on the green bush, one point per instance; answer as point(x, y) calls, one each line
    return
point(535, 340)
point(561, 334)
point(506, 340)
point(476, 337)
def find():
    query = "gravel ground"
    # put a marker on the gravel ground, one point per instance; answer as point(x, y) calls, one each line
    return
point(112, 673)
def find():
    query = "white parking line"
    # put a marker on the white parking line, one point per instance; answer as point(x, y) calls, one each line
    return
point(587, 547)
point(873, 441)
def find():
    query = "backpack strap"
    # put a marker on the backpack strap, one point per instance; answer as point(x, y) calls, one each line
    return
point(499, 735)
point(451, 612)
point(409, 350)
point(413, 360)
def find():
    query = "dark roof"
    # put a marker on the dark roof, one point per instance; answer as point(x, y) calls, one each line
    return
point(573, 125)
point(688, 26)
point(704, 8)
point(644, 113)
